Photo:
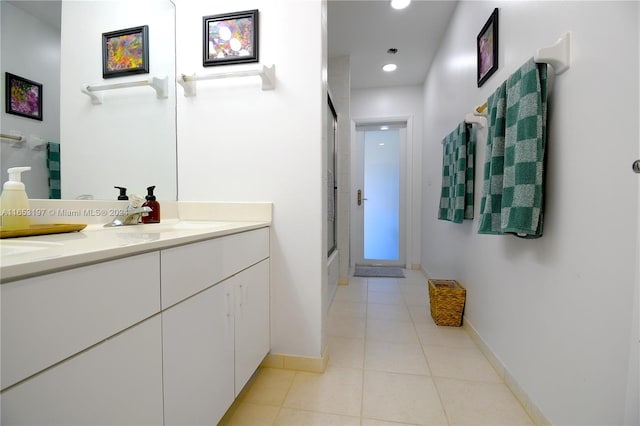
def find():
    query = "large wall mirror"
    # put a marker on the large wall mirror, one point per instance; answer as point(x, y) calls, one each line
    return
point(130, 139)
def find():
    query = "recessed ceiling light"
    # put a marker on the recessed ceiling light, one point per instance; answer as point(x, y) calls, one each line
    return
point(389, 67)
point(384, 127)
point(400, 4)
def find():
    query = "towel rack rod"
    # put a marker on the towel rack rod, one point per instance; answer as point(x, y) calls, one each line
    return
point(557, 55)
point(159, 84)
point(267, 74)
point(15, 138)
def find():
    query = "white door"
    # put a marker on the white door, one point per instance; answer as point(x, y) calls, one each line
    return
point(379, 195)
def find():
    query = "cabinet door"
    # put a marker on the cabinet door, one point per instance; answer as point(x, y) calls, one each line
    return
point(252, 329)
point(118, 382)
point(198, 358)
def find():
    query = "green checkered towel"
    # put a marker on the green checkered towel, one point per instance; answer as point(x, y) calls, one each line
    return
point(456, 197)
point(53, 166)
point(513, 190)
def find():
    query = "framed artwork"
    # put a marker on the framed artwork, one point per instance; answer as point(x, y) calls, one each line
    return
point(23, 97)
point(231, 38)
point(487, 48)
point(125, 52)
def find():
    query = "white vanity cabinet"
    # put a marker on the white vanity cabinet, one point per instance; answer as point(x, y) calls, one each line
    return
point(215, 339)
point(169, 336)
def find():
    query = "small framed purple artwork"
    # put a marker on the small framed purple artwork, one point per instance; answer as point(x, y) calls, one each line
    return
point(231, 38)
point(23, 97)
point(125, 52)
point(487, 48)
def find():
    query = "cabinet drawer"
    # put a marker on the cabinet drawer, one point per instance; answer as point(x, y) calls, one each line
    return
point(189, 269)
point(118, 382)
point(48, 318)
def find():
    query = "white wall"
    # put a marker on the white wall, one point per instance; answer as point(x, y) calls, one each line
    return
point(129, 140)
point(400, 102)
point(34, 55)
point(238, 143)
point(556, 311)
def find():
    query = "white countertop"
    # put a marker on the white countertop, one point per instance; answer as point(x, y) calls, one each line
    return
point(28, 256)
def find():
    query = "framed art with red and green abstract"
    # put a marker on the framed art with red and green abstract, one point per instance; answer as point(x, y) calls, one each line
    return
point(231, 38)
point(23, 97)
point(125, 52)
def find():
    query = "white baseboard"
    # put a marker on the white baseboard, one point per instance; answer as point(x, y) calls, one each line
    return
point(529, 406)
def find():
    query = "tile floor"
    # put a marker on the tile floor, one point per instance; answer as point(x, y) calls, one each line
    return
point(389, 364)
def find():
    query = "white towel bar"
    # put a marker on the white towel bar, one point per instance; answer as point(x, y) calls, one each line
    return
point(478, 119)
point(159, 84)
point(17, 138)
point(267, 74)
point(558, 55)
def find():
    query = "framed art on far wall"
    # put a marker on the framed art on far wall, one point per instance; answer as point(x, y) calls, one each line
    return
point(230, 38)
point(23, 97)
point(487, 48)
point(125, 52)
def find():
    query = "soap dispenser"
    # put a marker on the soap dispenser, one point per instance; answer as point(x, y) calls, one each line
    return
point(123, 193)
point(14, 202)
point(154, 215)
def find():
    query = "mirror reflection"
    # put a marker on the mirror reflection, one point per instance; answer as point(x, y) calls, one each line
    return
point(128, 140)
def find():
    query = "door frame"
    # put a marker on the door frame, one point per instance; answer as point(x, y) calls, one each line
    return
point(408, 186)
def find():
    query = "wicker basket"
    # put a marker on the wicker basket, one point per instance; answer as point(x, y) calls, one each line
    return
point(447, 298)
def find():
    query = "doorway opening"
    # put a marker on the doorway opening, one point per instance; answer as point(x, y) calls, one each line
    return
point(378, 225)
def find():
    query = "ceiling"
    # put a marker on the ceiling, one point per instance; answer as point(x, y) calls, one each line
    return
point(46, 10)
point(365, 29)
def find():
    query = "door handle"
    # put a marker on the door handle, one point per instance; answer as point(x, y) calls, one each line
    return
point(636, 166)
point(360, 199)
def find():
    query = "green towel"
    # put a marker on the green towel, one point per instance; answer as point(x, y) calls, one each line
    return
point(53, 166)
point(513, 191)
point(456, 197)
point(491, 202)
point(525, 143)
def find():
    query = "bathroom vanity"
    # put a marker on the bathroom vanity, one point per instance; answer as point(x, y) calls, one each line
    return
point(145, 324)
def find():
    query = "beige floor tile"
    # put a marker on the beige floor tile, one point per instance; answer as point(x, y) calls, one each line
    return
point(456, 337)
point(471, 403)
point(420, 314)
point(346, 352)
point(337, 391)
point(460, 363)
point(293, 417)
point(384, 285)
point(346, 326)
point(416, 297)
point(391, 331)
point(248, 414)
point(402, 398)
point(386, 298)
point(346, 308)
point(373, 422)
point(269, 387)
point(354, 292)
point(395, 357)
point(388, 312)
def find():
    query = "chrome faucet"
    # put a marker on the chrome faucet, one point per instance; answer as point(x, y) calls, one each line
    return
point(132, 214)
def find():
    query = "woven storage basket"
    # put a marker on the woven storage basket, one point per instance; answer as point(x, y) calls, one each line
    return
point(446, 298)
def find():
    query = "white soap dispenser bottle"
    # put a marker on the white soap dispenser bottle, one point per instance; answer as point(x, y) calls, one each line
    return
point(14, 202)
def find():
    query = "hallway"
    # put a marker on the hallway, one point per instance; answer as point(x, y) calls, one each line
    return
point(388, 364)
